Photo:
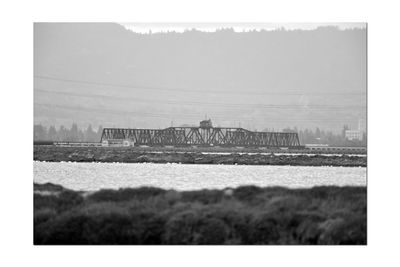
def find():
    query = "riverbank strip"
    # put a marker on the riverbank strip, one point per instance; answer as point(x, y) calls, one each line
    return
point(128, 155)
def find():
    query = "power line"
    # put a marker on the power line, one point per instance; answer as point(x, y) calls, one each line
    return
point(180, 115)
point(230, 105)
point(186, 90)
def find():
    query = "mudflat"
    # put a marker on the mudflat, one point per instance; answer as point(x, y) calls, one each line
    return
point(129, 155)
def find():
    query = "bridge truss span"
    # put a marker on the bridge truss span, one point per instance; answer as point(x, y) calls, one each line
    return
point(202, 136)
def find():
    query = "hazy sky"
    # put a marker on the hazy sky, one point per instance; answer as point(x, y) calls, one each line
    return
point(238, 27)
point(104, 74)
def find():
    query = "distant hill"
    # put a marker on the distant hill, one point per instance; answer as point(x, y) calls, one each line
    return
point(101, 73)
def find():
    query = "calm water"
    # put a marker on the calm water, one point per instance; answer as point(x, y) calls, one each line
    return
point(93, 176)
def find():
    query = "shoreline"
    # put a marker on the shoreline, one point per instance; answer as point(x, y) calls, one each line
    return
point(218, 149)
point(129, 155)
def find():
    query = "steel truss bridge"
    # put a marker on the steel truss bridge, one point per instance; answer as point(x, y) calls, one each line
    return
point(201, 136)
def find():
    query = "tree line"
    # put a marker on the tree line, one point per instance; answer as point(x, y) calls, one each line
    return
point(76, 134)
point(73, 134)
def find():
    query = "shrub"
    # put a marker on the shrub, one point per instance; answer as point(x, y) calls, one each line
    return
point(234, 215)
point(247, 193)
point(63, 201)
point(68, 229)
point(125, 194)
point(68, 199)
point(77, 228)
point(252, 215)
point(211, 231)
point(351, 230)
point(41, 216)
point(203, 196)
point(286, 203)
point(190, 228)
point(305, 226)
point(153, 230)
point(117, 229)
point(180, 228)
point(47, 187)
point(263, 230)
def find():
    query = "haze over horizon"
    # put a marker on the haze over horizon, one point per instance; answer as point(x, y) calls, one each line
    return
point(104, 74)
point(149, 28)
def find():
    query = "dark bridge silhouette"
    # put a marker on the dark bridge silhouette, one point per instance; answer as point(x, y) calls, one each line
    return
point(205, 135)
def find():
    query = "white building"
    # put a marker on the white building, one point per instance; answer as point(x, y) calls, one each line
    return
point(354, 135)
point(117, 142)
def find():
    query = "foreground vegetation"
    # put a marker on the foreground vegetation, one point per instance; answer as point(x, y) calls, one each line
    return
point(245, 215)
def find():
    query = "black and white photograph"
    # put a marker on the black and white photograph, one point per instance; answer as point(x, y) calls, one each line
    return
point(200, 133)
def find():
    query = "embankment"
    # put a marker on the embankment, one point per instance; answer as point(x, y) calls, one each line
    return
point(244, 215)
point(129, 155)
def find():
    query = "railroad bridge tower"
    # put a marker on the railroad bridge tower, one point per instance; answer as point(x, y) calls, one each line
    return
point(206, 130)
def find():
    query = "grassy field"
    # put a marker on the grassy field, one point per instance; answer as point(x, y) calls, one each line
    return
point(245, 215)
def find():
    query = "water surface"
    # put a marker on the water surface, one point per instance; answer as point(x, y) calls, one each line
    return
point(94, 176)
